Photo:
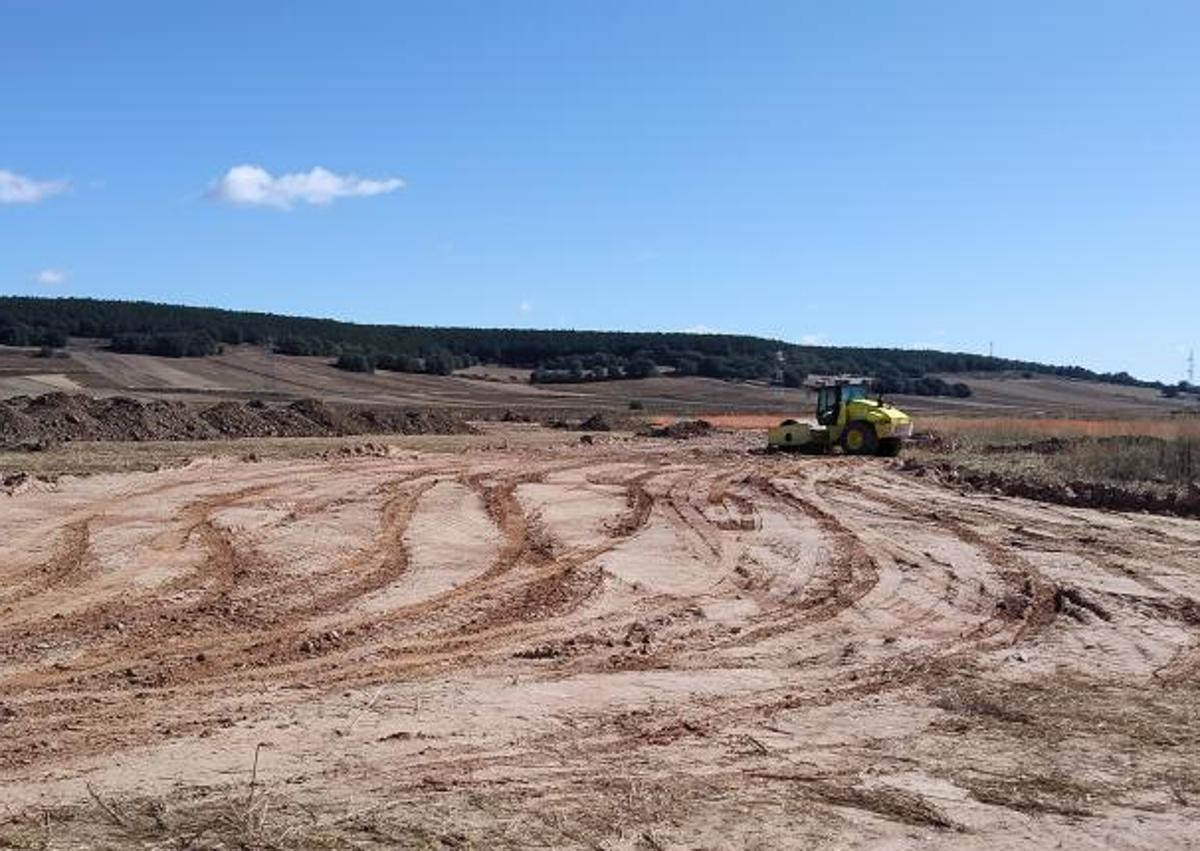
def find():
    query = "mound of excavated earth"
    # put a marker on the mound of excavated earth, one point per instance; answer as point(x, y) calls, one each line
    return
point(680, 430)
point(54, 417)
point(629, 645)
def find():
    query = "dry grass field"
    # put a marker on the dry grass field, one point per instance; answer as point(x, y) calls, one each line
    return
point(1156, 456)
point(1016, 429)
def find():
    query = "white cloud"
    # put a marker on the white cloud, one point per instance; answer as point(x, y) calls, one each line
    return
point(18, 189)
point(702, 329)
point(524, 307)
point(812, 339)
point(51, 277)
point(254, 186)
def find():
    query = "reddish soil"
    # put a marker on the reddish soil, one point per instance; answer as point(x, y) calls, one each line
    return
point(636, 643)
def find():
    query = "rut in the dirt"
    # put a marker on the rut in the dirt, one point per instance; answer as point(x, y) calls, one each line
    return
point(652, 609)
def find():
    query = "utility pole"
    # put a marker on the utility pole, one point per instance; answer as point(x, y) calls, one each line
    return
point(1192, 368)
point(991, 349)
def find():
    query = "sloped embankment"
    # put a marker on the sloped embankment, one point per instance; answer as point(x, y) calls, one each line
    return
point(1119, 472)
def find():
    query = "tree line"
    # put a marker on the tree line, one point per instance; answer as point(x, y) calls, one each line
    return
point(553, 355)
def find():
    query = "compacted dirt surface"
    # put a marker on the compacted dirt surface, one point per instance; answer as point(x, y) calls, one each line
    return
point(633, 644)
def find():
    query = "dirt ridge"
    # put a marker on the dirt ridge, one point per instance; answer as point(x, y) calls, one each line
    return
point(35, 422)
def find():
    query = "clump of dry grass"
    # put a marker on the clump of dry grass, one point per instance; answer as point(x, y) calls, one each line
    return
point(995, 430)
point(896, 804)
point(263, 822)
point(250, 818)
point(1160, 457)
point(1036, 794)
point(1049, 727)
point(1131, 459)
point(1053, 710)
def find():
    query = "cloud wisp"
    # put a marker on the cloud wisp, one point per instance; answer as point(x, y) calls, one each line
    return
point(50, 278)
point(19, 189)
point(254, 186)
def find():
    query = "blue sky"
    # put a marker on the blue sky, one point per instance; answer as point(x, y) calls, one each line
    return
point(880, 173)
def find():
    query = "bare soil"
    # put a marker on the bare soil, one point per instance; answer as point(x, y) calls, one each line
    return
point(38, 421)
point(635, 643)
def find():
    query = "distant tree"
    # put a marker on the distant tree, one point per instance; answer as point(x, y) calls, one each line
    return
point(793, 378)
point(440, 362)
point(711, 366)
point(355, 362)
point(171, 344)
point(641, 368)
point(56, 339)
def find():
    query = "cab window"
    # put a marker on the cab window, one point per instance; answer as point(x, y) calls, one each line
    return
point(827, 405)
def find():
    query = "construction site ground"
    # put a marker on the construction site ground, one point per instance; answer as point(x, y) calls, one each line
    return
point(512, 640)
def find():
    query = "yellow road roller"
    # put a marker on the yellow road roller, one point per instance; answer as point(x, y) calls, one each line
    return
point(846, 417)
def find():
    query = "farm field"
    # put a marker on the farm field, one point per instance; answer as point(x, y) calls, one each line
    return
point(247, 372)
point(511, 639)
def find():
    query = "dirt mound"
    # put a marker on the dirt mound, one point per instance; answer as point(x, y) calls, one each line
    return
point(234, 418)
point(65, 416)
point(681, 430)
point(316, 412)
point(596, 422)
point(359, 450)
point(39, 421)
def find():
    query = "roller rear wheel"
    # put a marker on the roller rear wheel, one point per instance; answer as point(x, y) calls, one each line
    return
point(860, 439)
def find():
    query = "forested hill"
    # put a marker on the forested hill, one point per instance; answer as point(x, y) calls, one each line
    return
point(177, 331)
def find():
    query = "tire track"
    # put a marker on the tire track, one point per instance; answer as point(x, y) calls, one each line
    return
point(66, 563)
point(663, 681)
point(1030, 598)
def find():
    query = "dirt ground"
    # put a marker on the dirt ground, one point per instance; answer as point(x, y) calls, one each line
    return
point(632, 644)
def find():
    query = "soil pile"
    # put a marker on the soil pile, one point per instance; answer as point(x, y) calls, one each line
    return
point(596, 422)
point(27, 422)
point(682, 430)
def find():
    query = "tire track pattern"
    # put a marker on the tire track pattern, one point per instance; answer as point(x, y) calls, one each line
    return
point(787, 585)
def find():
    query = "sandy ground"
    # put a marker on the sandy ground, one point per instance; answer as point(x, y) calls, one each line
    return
point(636, 644)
